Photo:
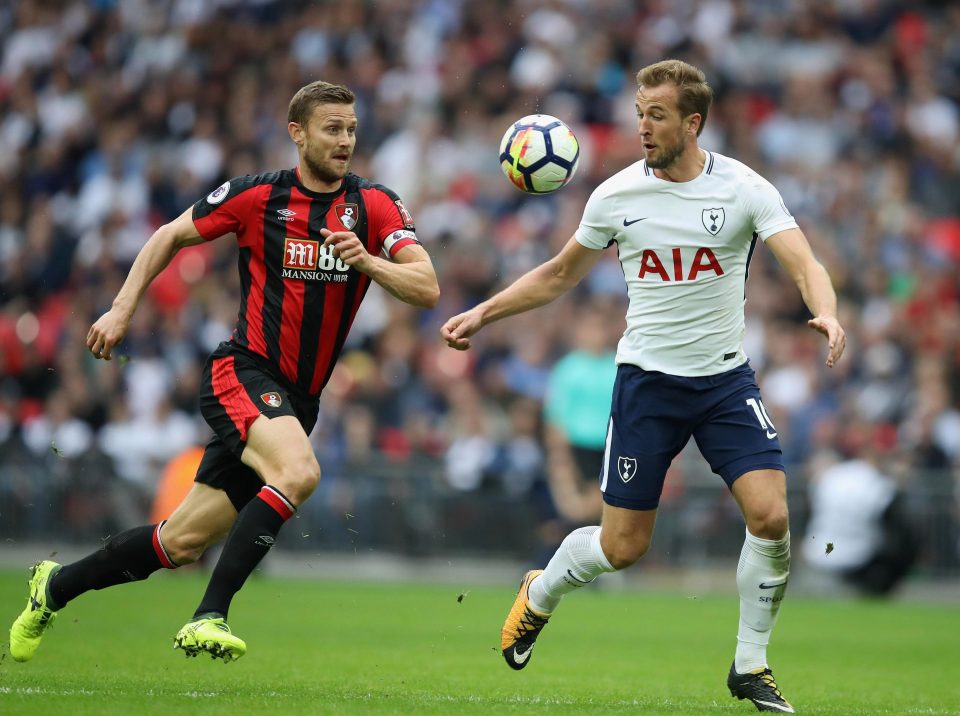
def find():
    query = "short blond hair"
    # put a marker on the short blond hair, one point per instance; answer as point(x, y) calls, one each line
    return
point(319, 92)
point(694, 95)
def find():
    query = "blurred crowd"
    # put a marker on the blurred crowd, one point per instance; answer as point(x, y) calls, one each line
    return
point(116, 115)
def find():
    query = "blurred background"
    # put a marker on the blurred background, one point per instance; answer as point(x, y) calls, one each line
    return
point(116, 115)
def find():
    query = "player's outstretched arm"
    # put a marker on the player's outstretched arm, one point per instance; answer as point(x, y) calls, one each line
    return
point(794, 254)
point(409, 276)
point(535, 288)
point(166, 241)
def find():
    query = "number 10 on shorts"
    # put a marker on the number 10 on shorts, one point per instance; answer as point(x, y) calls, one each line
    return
point(761, 412)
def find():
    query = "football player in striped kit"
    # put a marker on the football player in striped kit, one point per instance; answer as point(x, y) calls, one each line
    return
point(311, 240)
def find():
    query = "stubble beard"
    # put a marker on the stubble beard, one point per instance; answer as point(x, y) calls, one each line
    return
point(668, 156)
point(325, 172)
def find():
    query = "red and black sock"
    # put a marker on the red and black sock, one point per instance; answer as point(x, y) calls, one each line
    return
point(252, 536)
point(128, 557)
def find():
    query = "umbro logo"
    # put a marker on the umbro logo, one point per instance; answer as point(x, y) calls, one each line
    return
point(264, 541)
point(285, 214)
point(632, 221)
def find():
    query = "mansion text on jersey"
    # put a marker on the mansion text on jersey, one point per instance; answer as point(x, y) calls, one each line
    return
point(304, 275)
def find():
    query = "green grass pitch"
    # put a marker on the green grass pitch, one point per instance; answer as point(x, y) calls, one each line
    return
point(317, 647)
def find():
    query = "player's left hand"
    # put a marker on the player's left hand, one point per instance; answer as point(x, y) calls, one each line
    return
point(348, 248)
point(836, 338)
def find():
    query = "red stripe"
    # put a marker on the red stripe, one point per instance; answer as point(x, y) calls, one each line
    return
point(254, 238)
point(158, 548)
point(233, 396)
point(399, 245)
point(281, 506)
point(291, 316)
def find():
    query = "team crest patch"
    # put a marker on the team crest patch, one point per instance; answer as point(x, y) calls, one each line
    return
point(713, 220)
point(347, 214)
point(219, 194)
point(272, 399)
point(627, 467)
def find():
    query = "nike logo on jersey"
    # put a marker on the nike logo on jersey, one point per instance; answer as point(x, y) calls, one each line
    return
point(764, 585)
point(634, 221)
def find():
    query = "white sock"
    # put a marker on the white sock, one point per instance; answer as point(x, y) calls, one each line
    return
point(577, 562)
point(761, 580)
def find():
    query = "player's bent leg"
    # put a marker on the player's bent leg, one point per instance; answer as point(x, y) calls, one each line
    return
point(280, 452)
point(626, 534)
point(28, 628)
point(202, 519)
point(580, 559)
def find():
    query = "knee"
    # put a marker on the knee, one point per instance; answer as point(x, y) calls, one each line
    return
point(772, 524)
point(298, 479)
point(621, 552)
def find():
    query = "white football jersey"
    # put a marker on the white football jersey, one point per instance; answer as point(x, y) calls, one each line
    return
point(684, 248)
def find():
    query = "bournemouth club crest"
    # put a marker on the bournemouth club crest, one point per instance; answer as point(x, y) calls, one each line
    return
point(347, 214)
point(272, 399)
point(713, 220)
point(627, 467)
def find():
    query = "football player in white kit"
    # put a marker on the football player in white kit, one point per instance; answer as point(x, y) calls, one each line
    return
point(685, 222)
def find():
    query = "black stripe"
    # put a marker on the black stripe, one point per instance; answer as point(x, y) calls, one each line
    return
point(243, 264)
point(314, 294)
point(273, 233)
point(353, 285)
point(709, 166)
point(646, 169)
point(746, 270)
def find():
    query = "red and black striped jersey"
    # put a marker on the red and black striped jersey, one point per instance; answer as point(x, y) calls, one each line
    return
point(297, 300)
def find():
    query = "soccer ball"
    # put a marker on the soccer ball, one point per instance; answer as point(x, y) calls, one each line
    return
point(539, 154)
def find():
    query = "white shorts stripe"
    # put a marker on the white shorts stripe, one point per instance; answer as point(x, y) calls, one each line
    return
point(606, 455)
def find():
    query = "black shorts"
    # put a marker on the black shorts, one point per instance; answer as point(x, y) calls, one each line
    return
point(235, 390)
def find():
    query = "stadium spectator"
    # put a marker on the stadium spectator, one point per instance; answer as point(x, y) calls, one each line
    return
point(858, 528)
point(124, 91)
point(261, 389)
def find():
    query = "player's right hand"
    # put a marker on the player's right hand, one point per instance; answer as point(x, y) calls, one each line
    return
point(457, 330)
point(106, 333)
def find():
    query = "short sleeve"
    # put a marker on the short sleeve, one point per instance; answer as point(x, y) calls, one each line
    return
point(765, 207)
point(225, 209)
point(391, 223)
point(594, 231)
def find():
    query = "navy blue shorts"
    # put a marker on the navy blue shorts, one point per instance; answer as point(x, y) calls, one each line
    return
point(653, 416)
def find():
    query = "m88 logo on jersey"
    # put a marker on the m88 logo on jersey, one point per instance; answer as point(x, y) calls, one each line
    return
point(307, 259)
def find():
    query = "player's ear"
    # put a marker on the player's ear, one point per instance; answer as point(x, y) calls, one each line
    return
point(295, 129)
point(693, 123)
